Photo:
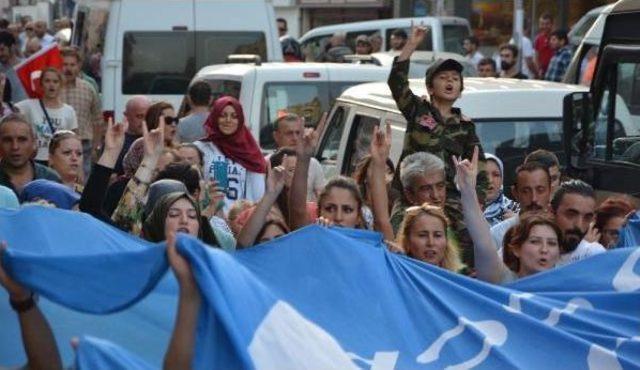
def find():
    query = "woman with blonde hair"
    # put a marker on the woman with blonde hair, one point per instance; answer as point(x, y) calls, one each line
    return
point(423, 233)
point(423, 236)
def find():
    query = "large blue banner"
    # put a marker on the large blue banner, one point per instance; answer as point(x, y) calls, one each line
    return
point(318, 298)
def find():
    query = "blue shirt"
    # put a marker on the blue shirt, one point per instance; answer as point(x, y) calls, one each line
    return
point(559, 64)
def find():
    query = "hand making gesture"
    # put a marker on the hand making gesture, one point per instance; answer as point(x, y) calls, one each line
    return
point(466, 172)
point(309, 143)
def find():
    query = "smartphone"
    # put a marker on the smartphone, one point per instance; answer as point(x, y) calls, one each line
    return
point(220, 174)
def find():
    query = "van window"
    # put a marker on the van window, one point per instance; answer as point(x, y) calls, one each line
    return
point(313, 47)
point(427, 44)
point(351, 37)
point(453, 37)
point(328, 153)
point(578, 33)
point(306, 99)
point(214, 47)
point(221, 88)
point(359, 141)
point(512, 140)
point(626, 142)
point(164, 62)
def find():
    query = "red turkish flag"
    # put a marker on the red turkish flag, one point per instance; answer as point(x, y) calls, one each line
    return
point(29, 71)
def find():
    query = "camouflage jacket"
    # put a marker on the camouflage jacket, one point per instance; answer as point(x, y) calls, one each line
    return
point(427, 131)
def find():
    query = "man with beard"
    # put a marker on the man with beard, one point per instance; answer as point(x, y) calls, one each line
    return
point(532, 189)
point(509, 62)
point(574, 208)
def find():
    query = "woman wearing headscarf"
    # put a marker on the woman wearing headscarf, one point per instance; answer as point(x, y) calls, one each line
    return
point(498, 207)
point(50, 193)
point(231, 155)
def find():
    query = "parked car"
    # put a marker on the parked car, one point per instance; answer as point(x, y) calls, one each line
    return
point(447, 33)
point(512, 117)
point(157, 54)
point(420, 61)
point(266, 90)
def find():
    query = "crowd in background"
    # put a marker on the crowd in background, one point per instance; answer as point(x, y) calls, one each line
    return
point(155, 174)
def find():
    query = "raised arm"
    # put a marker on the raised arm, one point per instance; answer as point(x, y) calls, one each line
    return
point(98, 182)
point(398, 77)
point(37, 337)
point(275, 184)
point(305, 149)
point(380, 148)
point(181, 346)
point(489, 266)
point(128, 213)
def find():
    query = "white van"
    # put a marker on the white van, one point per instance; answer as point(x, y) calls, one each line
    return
point(266, 90)
point(447, 33)
point(512, 118)
point(155, 47)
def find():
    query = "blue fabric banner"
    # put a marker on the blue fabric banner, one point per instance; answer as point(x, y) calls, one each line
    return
point(317, 298)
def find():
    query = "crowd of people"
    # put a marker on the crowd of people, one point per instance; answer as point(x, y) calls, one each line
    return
point(155, 174)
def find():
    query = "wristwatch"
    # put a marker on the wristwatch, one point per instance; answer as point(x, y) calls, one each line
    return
point(25, 305)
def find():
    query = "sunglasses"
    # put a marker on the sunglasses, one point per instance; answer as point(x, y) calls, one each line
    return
point(171, 121)
point(29, 29)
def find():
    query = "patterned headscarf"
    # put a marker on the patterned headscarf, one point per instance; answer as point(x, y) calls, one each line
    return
point(494, 211)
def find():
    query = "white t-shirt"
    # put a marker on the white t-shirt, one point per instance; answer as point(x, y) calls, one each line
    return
point(527, 52)
point(583, 250)
point(63, 118)
point(499, 230)
point(475, 58)
point(243, 184)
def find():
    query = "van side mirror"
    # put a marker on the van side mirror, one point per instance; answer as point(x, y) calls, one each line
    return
point(577, 125)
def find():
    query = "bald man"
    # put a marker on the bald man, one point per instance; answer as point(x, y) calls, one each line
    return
point(46, 39)
point(134, 112)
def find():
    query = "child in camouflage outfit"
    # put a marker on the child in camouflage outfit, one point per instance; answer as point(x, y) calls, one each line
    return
point(435, 126)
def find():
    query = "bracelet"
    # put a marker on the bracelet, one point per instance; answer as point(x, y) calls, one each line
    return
point(23, 306)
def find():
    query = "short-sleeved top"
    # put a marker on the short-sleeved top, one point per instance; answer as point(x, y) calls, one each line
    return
point(242, 184)
point(63, 118)
point(191, 127)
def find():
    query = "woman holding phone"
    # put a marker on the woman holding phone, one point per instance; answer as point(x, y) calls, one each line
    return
point(231, 155)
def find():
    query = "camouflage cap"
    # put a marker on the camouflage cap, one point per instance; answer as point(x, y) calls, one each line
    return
point(443, 65)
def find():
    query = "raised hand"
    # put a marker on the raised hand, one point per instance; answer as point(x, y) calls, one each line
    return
point(153, 140)
point(276, 179)
point(309, 143)
point(114, 137)
point(16, 291)
point(466, 171)
point(418, 33)
point(381, 143)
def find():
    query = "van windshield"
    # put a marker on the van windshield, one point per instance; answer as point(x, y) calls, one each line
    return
point(454, 36)
point(512, 140)
point(163, 62)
